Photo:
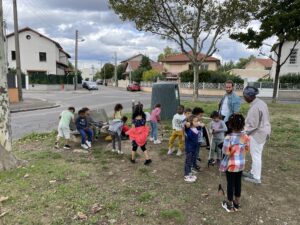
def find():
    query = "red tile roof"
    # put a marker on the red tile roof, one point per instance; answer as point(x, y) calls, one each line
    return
point(265, 62)
point(135, 65)
point(183, 58)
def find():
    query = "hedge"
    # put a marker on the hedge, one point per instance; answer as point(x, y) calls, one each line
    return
point(42, 78)
point(210, 77)
point(290, 78)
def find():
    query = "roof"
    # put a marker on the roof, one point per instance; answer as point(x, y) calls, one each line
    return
point(135, 65)
point(181, 57)
point(30, 29)
point(247, 73)
point(265, 62)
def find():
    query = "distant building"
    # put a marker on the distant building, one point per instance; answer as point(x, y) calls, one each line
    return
point(88, 73)
point(254, 70)
point(292, 65)
point(173, 65)
point(39, 54)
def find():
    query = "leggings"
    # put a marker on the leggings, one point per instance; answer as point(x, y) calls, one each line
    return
point(234, 184)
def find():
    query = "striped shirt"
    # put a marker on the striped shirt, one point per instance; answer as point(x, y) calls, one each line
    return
point(235, 146)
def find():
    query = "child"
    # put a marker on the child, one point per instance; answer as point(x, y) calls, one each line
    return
point(154, 119)
point(234, 148)
point(191, 145)
point(118, 111)
point(84, 130)
point(115, 130)
point(138, 133)
point(177, 125)
point(187, 112)
point(218, 129)
point(66, 117)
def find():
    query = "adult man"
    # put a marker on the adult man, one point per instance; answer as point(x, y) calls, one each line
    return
point(258, 127)
point(230, 102)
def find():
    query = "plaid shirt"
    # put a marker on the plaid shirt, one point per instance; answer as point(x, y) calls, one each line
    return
point(234, 147)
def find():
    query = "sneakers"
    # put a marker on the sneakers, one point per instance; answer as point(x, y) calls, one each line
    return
point(114, 150)
point(151, 139)
point(179, 153)
point(236, 207)
point(147, 162)
point(120, 152)
point(252, 180)
point(89, 144)
point(56, 145)
point(68, 147)
point(190, 178)
point(171, 150)
point(228, 206)
point(132, 161)
point(156, 142)
point(84, 146)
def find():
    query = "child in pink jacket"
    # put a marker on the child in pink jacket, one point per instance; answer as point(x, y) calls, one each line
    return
point(154, 119)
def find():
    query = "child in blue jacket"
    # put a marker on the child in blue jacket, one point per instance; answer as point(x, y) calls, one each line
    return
point(84, 130)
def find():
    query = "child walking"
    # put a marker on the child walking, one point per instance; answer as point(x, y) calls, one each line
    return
point(139, 133)
point(177, 125)
point(154, 120)
point(115, 130)
point(84, 130)
point(218, 129)
point(191, 144)
point(66, 117)
point(118, 111)
point(234, 148)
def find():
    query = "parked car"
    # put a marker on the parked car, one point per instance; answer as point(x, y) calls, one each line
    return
point(133, 87)
point(100, 82)
point(90, 85)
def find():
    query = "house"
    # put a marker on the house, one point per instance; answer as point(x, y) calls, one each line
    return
point(173, 65)
point(292, 65)
point(39, 54)
point(88, 73)
point(134, 62)
point(255, 69)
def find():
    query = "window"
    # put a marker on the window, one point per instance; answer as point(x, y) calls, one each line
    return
point(43, 57)
point(293, 56)
point(13, 55)
point(204, 67)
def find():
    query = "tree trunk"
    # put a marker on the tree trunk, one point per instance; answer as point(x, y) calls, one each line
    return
point(196, 81)
point(7, 159)
point(278, 67)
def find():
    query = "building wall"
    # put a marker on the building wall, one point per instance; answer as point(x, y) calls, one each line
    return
point(251, 75)
point(254, 65)
point(177, 68)
point(138, 58)
point(287, 67)
point(29, 52)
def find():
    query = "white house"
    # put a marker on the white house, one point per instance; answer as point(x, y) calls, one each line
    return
point(292, 65)
point(38, 53)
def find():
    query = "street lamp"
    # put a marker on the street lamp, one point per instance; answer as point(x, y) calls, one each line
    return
point(76, 57)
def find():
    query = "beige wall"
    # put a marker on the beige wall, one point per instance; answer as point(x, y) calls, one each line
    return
point(177, 68)
point(254, 65)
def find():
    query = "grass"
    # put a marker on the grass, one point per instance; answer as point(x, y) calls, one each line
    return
point(60, 183)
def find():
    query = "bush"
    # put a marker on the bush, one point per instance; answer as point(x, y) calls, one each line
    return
point(210, 77)
point(138, 74)
point(290, 78)
point(42, 78)
point(151, 75)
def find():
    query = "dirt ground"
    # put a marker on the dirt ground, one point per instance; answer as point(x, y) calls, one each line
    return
point(60, 186)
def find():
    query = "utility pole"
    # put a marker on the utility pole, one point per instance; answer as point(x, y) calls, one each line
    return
point(116, 76)
point(76, 59)
point(17, 46)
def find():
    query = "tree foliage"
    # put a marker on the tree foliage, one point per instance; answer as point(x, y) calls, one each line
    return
point(167, 52)
point(291, 78)
point(120, 71)
point(193, 25)
point(145, 63)
point(277, 18)
point(137, 75)
point(151, 75)
point(107, 71)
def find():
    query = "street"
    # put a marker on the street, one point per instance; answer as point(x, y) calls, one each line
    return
point(46, 120)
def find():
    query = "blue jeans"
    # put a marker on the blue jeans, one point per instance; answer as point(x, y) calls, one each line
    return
point(86, 134)
point(188, 163)
point(153, 130)
point(196, 155)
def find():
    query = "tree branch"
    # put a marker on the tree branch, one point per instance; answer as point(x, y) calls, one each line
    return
point(293, 48)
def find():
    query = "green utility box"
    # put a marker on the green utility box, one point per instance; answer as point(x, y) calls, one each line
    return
point(166, 94)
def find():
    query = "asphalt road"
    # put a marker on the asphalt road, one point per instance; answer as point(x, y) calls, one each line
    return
point(46, 120)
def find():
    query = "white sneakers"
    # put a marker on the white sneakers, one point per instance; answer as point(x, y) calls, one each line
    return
point(151, 139)
point(84, 146)
point(179, 153)
point(171, 150)
point(117, 151)
point(156, 142)
point(190, 178)
point(114, 150)
point(89, 144)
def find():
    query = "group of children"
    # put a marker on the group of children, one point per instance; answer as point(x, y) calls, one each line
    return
point(228, 151)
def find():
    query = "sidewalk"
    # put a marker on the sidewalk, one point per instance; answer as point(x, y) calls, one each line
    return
point(30, 104)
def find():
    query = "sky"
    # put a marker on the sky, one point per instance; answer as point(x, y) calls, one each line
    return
point(103, 32)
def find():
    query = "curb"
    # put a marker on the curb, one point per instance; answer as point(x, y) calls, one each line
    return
point(34, 109)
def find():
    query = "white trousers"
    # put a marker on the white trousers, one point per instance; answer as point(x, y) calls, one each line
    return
point(256, 150)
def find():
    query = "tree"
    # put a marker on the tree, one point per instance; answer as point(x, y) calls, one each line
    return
point(120, 71)
point(138, 74)
point(7, 159)
point(192, 24)
point(145, 63)
point(227, 66)
point(278, 19)
point(241, 64)
point(107, 71)
point(167, 52)
point(151, 75)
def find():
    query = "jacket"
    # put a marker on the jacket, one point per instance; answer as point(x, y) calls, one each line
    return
point(81, 123)
point(234, 104)
point(116, 126)
point(191, 140)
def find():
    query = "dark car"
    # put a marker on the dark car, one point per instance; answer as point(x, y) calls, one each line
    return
point(100, 82)
point(90, 85)
point(133, 87)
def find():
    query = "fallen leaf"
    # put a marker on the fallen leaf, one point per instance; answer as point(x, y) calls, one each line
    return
point(3, 214)
point(80, 216)
point(26, 175)
point(52, 181)
point(205, 195)
point(3, 199)
point(96, 208)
